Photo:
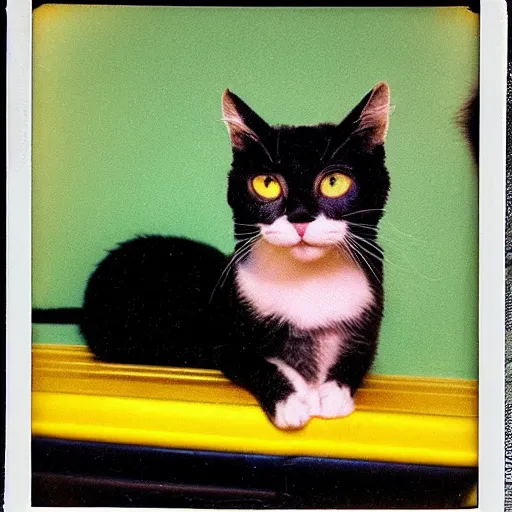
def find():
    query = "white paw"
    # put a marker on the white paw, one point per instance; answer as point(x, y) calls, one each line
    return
point(313, 401)
point(335, 401)
point(292, 412)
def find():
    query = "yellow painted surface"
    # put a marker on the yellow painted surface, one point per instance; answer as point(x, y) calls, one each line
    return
point(397, 419)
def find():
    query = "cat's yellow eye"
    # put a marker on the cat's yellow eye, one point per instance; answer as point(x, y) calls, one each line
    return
point(335, 185)
point(267, 187)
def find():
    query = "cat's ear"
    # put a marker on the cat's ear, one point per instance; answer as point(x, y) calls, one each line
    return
point(371, 116)
point(242, 122)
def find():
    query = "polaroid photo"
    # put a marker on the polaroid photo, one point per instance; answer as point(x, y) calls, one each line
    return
point(255, 257)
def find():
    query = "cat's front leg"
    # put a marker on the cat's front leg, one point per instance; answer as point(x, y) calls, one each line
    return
point(335, 400)
point(293, 412)
point(336, 394)
point(303, 403)
point(285, 400)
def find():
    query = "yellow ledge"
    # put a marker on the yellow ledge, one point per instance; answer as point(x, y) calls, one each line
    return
point(397, 419)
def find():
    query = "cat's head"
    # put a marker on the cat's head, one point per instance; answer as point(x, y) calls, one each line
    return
point(308, 188)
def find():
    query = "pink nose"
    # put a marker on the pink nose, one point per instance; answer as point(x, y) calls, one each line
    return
point(301, 228)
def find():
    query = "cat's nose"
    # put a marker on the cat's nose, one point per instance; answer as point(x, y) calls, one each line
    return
point(301, 227)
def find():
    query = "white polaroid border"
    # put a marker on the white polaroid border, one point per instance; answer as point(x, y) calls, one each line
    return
point(18, 233)
point(493, 65)
point(493, 96)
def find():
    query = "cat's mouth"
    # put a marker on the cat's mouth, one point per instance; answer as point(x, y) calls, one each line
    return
point(318, 245)
point(304, 251)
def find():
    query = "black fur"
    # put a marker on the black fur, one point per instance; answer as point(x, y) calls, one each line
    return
point(469, 121)
point(150, 301)
point(147, 302)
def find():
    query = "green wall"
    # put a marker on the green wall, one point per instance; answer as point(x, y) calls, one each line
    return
point(127, 139)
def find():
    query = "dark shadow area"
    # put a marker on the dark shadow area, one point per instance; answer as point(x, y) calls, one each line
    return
point(78, 474)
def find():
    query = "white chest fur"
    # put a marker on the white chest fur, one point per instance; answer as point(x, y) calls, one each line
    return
point(308, 295)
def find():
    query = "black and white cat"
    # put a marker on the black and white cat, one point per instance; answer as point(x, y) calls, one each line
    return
point(294, 314)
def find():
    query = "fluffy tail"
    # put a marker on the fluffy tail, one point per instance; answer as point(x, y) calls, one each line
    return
point(57, 315)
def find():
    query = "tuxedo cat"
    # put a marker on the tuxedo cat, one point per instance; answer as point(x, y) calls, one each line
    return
point(293, 315)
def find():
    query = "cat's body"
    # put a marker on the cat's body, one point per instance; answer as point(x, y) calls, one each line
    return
point(294, 316)
point(317, 329)
point(148, 302)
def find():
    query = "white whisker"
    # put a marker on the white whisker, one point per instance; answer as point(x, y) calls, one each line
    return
point(238, 233)
point(243, 252)
point(381, 256)
point(247, 244)
point(346, 251)
point(354, 248)
point(241, 224)
point(326, 148)
point(391, 225)
point(405, 234)
point(364, 211)
point(370, 243)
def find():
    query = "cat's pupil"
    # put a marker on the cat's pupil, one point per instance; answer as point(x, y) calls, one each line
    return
point(268, 181)
point(332, 180)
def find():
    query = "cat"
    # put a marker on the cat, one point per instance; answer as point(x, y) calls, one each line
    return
point(294, 314)
point(468, 120)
